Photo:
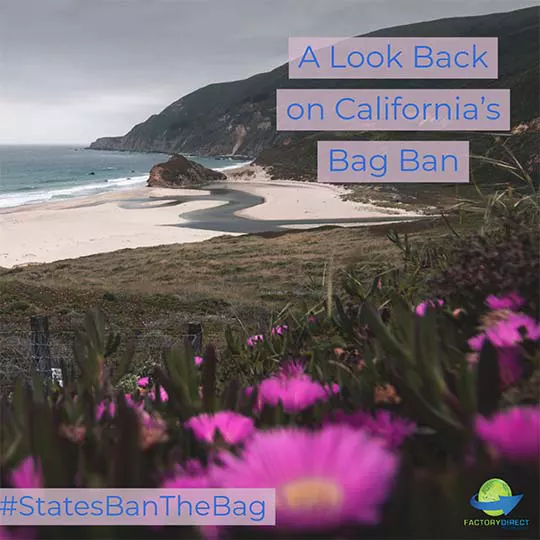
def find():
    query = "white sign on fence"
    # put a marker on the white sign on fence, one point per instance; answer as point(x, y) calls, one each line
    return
point(56, 376)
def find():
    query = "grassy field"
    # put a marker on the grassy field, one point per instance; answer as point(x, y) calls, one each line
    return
point(226, 280)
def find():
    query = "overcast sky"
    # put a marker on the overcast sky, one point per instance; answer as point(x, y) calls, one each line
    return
point(75, 70)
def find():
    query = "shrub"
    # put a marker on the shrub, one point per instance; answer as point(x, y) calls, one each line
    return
point(377, 413)
point(499, 262)
point(395, 398)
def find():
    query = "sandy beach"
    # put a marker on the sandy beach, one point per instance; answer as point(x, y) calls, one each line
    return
point(145, 217)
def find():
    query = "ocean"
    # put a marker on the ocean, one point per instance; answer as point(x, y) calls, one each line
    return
point(35, 174)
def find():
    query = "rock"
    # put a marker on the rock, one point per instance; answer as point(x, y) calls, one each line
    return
point(180, 172)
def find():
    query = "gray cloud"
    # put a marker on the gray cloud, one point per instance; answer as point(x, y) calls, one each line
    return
point(74, 70)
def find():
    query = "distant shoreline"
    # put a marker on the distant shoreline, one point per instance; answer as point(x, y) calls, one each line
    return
point(36, 174)
point(234, 157)
point(249, 202)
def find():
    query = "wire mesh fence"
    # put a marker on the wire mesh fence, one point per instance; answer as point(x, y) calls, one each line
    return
point(43, 350)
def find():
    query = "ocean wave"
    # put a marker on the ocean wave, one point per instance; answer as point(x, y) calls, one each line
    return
point(13, 199)
point(27, 195)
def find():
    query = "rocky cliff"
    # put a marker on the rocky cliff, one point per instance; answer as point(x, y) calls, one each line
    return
point(239, 117)
point(180, 172)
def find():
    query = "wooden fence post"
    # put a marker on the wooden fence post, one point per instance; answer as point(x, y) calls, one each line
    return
point(41, 352)
point(195, 334)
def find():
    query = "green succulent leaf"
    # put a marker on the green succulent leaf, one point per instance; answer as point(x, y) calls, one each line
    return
point(488, 386)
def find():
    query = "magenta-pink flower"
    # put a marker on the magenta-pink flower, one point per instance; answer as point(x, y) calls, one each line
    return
point(506, 336)
point(233, 427)
point(143, 382)
point(151, 421)
point(292, 369)
point(27, 475)
point(295, 394)
point(392, 429)
point(508, 332)
point(421, 308)
point(162, 393)
point(332, 388)
point(279, 330)
point(109, 407)
point(513, 434)
point(512, 301)
point(198, 360)
point(20, 533)
point(191, 476)
point(511, 366)
point(336, 476)
point(251, 341)
point(105, 407)
point(477, 342)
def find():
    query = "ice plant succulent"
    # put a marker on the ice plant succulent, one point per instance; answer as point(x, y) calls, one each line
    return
point(506, 335)
point(421, 308)
point(513, 434)
point(294, 393)
point(251, 341)
point(144, 384)
point(21, 533)
point(105, 407)
point(187, 478)
point(233, 427)
point(511, 367)
point(511, 301)
point(513, 330)
point(27, 475)
point(392, 429)
point(292, 369)
point(152, 430)
point(279, 330)
point(4, 534)
point(164, 396)
point(323, 479)
point(110, 407)
point(74, 432)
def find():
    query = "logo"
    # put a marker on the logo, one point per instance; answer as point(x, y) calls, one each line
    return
point(495, 498)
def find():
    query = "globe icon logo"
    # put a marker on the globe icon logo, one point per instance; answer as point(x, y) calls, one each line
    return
point(492, 491)
point(495, 498)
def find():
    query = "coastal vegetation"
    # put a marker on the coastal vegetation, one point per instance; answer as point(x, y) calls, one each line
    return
point(400, 383)
point(376, 377)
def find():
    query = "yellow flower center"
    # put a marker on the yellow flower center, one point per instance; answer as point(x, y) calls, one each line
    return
point(311, 493)
point(494, 317)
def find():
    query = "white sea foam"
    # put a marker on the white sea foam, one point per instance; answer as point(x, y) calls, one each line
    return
point(10, 200)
